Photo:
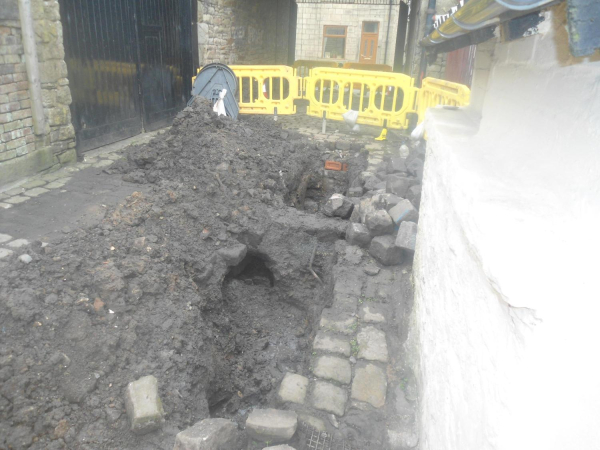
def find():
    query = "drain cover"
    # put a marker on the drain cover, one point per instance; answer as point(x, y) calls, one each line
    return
point(320, 440)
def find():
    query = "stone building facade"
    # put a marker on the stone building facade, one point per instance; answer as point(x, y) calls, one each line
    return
point(22, 151)
point(314, 16)
point(245, 32)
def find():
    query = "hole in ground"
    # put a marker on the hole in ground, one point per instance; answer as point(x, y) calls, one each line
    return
point(259, 338)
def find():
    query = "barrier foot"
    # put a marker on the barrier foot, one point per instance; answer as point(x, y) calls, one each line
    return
point(324, 126)
point(382, 136)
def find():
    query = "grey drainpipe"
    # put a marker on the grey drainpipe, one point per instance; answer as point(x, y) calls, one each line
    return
point(428, 28)
point(387, 38)
point(33, 68)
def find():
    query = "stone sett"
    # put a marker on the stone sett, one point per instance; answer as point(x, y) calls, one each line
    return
point(211, 434)
point(5, 238)
point(143, 405)
point(35, 192)
point(330, 398)
point(372, 345)
point(271, 425)
point(330, 344)
point(293, 388)
point(18, 243)
point(372, 313)
point(333, 368)
point(370, 385)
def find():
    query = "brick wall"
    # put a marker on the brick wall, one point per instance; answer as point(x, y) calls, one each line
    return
point(312, 17)
point(22, 153)
point(243, 32)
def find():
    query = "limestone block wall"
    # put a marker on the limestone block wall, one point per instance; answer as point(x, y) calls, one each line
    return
point(312, 17)
point(506, 303)
point(22, 152)
point(244, 32)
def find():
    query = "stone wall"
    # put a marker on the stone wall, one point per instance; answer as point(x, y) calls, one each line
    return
point(244, 32)
point(312, 17)
point(22, 153)
point(505, 270)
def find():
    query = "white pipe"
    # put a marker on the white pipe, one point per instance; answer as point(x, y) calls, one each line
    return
point(33, 67)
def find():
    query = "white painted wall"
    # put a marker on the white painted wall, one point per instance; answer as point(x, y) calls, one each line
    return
point(312, 17)
point(507, 304)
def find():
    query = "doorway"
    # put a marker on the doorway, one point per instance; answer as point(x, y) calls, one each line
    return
point(130, 65)
point(368, 43)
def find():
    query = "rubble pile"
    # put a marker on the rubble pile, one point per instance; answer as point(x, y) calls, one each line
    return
point(189, 301)
point(382, 207)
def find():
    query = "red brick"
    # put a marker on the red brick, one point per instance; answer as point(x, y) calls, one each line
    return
point(19, 77)
point(25, 104)
point(19, 68)
point(5, 118)
point(5, 79)
point(22, 85)
point(7, 68)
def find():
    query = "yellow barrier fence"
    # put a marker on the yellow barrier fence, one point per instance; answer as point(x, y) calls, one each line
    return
point(261, 89)
point(435, 92)
point(379, 97)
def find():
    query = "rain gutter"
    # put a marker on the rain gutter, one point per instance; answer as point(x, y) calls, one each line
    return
point(478, 14)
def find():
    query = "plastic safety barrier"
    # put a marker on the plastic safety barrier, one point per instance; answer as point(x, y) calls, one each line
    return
point(302, 69)
point(436, 92)
point(371, 67)
point(380, 98)
point(264, 88)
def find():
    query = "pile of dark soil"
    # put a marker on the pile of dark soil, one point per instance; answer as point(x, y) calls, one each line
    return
point(146, 293)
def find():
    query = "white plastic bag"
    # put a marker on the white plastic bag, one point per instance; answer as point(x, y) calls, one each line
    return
point(350, 117)
point(219, 106)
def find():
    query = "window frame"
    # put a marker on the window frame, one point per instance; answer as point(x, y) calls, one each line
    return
point(339, 36)
point(370, 21)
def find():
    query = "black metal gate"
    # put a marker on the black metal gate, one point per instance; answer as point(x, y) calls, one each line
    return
point(130, 65)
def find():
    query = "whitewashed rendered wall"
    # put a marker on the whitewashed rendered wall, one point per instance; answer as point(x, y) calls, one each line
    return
point(312, 17)
point(506, 318)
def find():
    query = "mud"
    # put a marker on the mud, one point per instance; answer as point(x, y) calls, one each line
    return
point(145, 292)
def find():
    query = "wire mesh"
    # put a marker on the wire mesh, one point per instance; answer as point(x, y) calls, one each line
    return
point(320, 440)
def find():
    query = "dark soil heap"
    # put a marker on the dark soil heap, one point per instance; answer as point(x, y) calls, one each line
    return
point(146, 292)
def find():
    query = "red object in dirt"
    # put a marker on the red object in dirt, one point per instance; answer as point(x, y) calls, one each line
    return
point(334, 165)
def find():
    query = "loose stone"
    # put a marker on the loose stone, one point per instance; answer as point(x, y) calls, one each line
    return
point(143, 405)
point(211, 434)
point(271, 425)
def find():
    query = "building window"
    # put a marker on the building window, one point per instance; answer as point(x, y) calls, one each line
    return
point(334, 42)
point(371, 27)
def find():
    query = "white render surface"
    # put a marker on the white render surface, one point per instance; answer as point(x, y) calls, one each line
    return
point(506, 298)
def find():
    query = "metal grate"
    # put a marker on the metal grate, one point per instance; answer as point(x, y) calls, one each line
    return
point(320, 440)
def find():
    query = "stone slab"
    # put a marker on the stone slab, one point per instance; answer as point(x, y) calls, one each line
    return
point(271, 425)
point(211, 434)
point(16, 199)
point(5, 205)
point(330, 344)
point(372, 345)
point(293, 388)
point(33, 184)
point(35, 192)
point(333, 368)
point(18, 243)
point(143, 405)
point(57, 183)
point(370, 385)
point(279, 447)
point(5, 238)
point(330, 398)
